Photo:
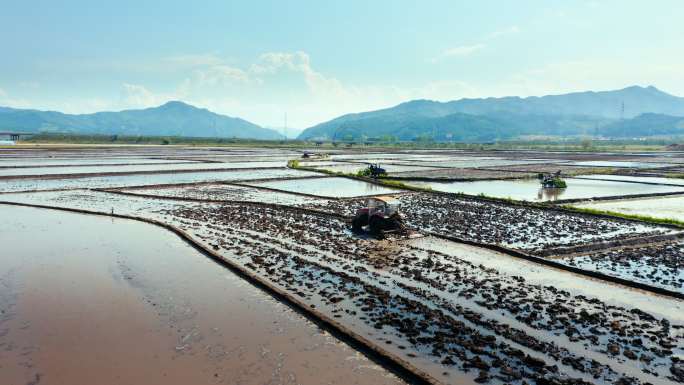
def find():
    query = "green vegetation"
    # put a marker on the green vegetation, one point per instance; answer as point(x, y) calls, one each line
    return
point(551, 145)
point(586, 143)
point(597, 171)
point(366, 172)
point(559, 183)
point(402, 185)
point(294, 163)
point(643, 218)
point(65, 138)
point(675, 176)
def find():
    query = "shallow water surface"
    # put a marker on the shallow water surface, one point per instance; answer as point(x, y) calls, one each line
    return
point(134, 168)
point(530, 190)
point(89, 299)
point(328, 187)
point(638, 179)
point(13, 185)
point(669, 207)
point(620, 164)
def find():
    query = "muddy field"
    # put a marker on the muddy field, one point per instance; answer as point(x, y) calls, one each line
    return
point(492, 292)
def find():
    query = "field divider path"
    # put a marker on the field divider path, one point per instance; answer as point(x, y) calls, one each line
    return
point(397, 365)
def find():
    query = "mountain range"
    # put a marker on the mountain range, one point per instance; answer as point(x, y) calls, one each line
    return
point(171, 119)
point(630, 112)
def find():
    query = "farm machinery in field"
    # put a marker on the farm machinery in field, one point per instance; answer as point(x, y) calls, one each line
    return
point(379, 217)
point(373, 171)
point(549, 180)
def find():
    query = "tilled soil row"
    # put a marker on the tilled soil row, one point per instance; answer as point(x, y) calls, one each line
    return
point(518, 226)
point(293, 267)
point(659, 263)
point(608, 245)
point(569, 267)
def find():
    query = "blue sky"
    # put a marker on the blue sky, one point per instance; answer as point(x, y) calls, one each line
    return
point(315, 60)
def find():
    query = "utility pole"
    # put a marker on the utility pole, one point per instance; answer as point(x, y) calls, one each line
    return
point(622, 117)
point(285, 127)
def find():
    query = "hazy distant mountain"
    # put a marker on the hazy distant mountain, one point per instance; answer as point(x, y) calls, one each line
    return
point(646, 125)
point(580, 113)
point(171, 119)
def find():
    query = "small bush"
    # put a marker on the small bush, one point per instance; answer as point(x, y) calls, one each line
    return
point(559, 183)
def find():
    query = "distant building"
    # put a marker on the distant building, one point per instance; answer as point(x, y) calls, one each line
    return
point(11, 137)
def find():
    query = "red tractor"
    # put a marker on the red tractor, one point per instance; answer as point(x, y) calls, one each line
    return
point(380, 216)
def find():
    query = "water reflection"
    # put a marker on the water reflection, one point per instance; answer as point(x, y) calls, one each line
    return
point(549, 194)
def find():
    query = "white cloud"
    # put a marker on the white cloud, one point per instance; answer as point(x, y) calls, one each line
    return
point(6, 100)
point(137, 96)
point(503, 32)
point(220, 74)
point(467, 50)
point(594, 74)
point(262, 91)
point(311, 95)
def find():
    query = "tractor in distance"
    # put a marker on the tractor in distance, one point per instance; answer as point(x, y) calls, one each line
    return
point(379, 217)
point(551, 180)
point(373, 171)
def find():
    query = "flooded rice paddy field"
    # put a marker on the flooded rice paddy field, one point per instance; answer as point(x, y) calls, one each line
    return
point(661, 265)
point(622, 164)
point(348, 167)
point(62, 162)
point(460, 313)
point(668, 207)
point(637, 179)
point(225, 192)
point(453, 174)
point(27, 184)
point(514, 226)
point(530, 190)
point(334, 187)
point(8, 172)
point(87, 300)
